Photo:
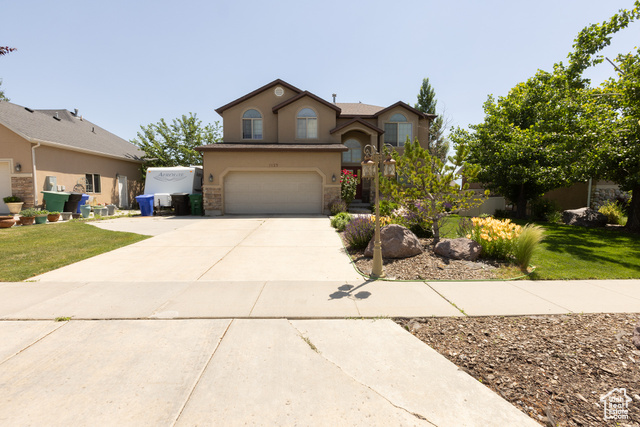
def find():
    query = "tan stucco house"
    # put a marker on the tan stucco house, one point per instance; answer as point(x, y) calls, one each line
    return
point(284, 148)
point(43, 149)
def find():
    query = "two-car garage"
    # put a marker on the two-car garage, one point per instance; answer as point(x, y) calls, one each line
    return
point(257, 179)
point(273, 193)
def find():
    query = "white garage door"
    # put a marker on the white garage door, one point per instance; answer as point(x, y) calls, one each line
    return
point(273, 193)
point(5, 185)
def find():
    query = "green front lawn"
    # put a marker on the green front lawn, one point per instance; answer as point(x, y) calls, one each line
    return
point(569, 252)
point(35, 249)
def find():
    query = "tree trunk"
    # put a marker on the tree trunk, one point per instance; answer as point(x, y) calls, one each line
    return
point(633, 222)
point(521, 207)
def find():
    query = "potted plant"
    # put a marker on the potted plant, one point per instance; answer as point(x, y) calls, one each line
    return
point(111, 209)
point(85, 210)
point(41, 216)
point(14, 203)
point(100, 210)
point(28, 216)
point(66, 216)
point(7, 221)
point(53, 216)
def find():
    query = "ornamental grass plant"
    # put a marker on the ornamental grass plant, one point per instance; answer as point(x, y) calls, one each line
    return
point(530, 237)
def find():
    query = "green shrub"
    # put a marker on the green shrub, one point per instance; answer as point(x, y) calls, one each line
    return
point(359, 231)
point(542, 208)
point(555, 217)
point(337, 206)
point(31, 212)
point(340, 221)
point(386, 207)
point(12, 199)
point(613, 211)
point(502, 214)
point(530, 237)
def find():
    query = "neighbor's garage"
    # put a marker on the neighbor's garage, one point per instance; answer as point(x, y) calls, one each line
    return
point(273, 193)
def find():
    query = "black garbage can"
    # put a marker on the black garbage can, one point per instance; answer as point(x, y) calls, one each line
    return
point(180, 202)
point(71, 205)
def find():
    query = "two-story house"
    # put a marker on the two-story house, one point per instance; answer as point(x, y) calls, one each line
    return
point(284, 148)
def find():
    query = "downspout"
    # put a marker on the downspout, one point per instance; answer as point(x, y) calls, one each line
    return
point(589, 194)
point(35, 179)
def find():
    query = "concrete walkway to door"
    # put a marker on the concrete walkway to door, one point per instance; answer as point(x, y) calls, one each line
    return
point(232, 248)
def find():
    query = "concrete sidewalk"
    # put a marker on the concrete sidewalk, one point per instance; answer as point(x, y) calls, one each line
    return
point(311, 299)
point(235, 372)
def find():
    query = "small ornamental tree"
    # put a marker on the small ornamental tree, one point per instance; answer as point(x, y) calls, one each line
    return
point(348, 185)
point(427, 186)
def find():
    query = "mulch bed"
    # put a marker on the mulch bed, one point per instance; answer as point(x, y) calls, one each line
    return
point(428, 266)
point(553, 368)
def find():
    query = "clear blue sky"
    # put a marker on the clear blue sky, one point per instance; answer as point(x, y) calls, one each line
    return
point(129, 63)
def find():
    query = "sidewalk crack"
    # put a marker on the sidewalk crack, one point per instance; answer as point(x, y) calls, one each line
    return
point(315, 349)
point(200, 375)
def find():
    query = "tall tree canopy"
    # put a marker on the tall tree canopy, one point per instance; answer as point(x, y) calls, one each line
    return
point(174, 144)
point(555, 129)
point(438, 142)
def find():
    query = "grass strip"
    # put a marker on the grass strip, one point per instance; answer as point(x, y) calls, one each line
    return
point(31, 250)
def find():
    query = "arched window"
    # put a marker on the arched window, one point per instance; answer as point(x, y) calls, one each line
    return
point(397, 129)
point(307, 127)
point(354, 155)
point(252, 125)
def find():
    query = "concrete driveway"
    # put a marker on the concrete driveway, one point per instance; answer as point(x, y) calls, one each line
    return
point(219, 249)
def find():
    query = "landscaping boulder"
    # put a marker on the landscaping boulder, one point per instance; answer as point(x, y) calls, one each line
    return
point(397, 242)
point(584, 217)
point(462, 248)
point(636, 336)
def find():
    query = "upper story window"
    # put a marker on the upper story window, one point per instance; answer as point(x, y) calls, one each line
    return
point(397, 129)
point(252, 125)
point(307, 127)
point(354, 155)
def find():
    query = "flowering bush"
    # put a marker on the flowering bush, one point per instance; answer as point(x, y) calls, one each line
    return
point(348, 184)
point(337, 206)
point(497, 238)
point(415, 218)
point(359, 231)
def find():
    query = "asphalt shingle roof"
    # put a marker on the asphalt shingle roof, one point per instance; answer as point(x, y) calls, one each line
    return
point(69, 130)
point(358, 109)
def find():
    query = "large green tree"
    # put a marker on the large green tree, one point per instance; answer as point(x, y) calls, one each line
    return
point(438, 142)
point(174, 144)
point(555, 129)
point(3, 51)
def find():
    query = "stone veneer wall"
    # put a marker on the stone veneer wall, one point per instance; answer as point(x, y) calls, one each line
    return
point(23, 188)
point(600, 196)
point(212, 198)
point(331, 194)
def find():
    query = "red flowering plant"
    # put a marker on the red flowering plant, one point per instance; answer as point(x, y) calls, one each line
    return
point(348, 184)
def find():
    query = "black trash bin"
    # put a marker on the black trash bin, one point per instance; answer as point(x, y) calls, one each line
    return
point(71, 205)
point(180, 202)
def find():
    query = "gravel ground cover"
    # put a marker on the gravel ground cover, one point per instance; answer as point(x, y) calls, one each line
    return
point(553, 368)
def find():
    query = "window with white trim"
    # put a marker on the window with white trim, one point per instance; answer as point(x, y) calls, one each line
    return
point(397, 129)
point(252, 124)
point(307, 124)
point(93, 183)
point(354, 155)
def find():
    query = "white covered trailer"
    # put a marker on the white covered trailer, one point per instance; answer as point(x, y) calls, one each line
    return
point(162, 182)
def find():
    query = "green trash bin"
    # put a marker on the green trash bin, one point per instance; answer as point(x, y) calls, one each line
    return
point(54, 201)
point(196, 204)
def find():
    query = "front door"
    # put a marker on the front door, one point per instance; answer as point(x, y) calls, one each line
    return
point(357, 170)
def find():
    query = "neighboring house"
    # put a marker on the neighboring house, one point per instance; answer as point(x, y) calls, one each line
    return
point(60, 150)
point(284, 148)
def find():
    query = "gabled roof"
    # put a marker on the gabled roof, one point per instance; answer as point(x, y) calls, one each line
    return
point(62, 128)
point(231, 147)
point(220, 110)
point(358, 109)
point(408, 107)
point(357, 120)
point(302, 95)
